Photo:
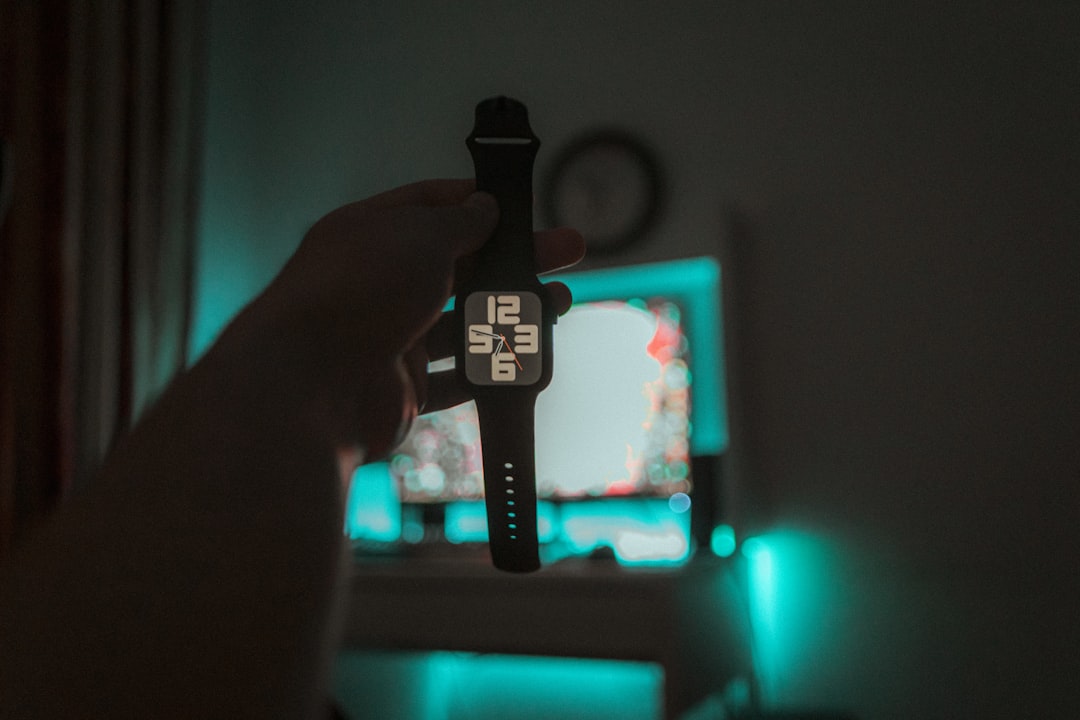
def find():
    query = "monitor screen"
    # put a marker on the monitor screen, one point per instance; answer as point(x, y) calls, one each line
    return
point(615, 420)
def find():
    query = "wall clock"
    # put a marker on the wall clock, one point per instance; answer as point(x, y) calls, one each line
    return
point(607, 185)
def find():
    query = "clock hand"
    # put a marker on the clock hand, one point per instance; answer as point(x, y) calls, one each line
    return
point(503, 341)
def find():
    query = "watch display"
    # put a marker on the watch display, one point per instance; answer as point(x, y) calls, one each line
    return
point(503, 338)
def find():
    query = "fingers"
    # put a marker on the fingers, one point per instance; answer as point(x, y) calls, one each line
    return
point(560, 296)
point(557, 249)
point(430, 193)
point(440, 338)
point(469, 225)
point(415, 361)
point(449, 211)
point(444, 391)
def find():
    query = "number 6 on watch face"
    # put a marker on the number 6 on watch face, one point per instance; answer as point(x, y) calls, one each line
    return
point(503, 339)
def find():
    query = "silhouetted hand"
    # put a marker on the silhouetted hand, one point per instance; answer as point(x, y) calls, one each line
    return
point(354, 316)
point(209, 546)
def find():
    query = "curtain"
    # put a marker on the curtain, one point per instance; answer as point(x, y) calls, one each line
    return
point(101, 121)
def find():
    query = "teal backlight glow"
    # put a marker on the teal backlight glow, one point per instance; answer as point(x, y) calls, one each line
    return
point(723, 542)
point(796, 597)
point(373, 511)
point(440, 685)
point(466, 521)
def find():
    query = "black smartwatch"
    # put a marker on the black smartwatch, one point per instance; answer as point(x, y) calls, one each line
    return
point(504, 320)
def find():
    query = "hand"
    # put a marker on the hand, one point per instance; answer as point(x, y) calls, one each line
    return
point(355, 315)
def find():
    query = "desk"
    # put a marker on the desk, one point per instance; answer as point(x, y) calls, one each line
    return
point(691, 620)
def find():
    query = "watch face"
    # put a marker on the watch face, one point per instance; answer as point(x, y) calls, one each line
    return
point(503, 338)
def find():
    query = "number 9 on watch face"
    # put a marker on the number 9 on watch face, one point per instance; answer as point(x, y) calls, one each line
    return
point(502, 338)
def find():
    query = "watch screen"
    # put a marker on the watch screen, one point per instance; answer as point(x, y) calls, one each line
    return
point(503, 338)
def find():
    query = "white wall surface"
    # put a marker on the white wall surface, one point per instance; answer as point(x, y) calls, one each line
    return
point(898, 185)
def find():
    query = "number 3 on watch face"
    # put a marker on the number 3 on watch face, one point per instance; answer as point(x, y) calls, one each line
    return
point(502, 338)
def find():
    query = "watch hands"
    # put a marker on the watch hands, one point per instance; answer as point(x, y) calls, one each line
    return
point(502, 341)
point(501, 338)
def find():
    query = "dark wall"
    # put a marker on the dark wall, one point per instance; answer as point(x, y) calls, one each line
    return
point(895, 189)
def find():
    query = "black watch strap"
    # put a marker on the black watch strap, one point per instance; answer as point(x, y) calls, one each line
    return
point(503, 148)
point(506, 438)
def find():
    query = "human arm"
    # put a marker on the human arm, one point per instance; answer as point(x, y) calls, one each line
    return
point(198, 577)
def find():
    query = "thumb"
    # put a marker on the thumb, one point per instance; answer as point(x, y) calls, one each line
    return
point(470, 224)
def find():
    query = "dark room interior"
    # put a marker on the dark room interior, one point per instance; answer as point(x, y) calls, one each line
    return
point(891, 193)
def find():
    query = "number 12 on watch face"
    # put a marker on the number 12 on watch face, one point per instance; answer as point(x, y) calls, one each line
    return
point(502, 338)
